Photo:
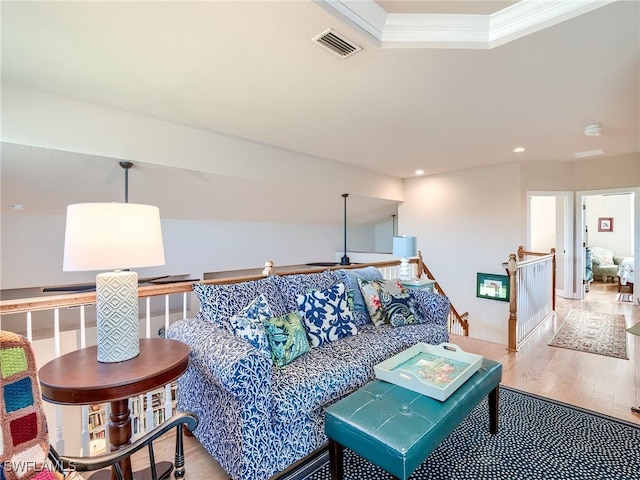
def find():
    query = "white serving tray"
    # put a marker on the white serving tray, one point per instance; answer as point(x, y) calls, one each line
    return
point(433, 370)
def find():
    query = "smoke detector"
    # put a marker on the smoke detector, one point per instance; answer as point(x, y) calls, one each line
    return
point(593, 130)
point(336, 43)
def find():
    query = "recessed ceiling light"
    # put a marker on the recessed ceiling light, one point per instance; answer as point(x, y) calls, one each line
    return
point(518, 149)
point(593, 130)
point(419, 172)
point(18, 206)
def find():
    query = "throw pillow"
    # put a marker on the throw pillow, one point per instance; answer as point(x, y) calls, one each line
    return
point(383, 299)
point(290, 286)
point(606, 260)
point(350, 278)
point(248, 326)
point(219, 302)
point(403, 310)
point(326, 315)
point(287, 338)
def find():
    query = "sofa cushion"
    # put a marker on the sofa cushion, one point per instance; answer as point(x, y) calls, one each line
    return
point(343, 366)
point(431, 307)
point(384, 299)
point(374, 344)
point(248, 323)
point(326, 315)
point(220, 302)
point(287, 338)
point(350, 278)
point(291, 286)
point(314, 380)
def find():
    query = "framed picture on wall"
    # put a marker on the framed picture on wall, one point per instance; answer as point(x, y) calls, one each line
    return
point(605, 224)
point(495, 287)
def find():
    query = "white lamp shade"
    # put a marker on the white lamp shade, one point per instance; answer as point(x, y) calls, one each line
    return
point(405, 247)
point(107, 236)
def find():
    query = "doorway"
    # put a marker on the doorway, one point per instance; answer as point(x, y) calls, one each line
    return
point(609, 220)
point(550, 225)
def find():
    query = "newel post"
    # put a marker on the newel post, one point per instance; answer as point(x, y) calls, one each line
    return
point(512, 268)
point(268, 269)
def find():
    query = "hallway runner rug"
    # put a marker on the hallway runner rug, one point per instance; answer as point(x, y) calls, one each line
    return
point(537, 439)
point(593, 332)
point(625, 297)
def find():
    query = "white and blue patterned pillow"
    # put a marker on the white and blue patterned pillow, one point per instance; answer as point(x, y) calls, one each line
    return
point(218, 303)
point(291, 286)
point(248, 326)
point(326, 315)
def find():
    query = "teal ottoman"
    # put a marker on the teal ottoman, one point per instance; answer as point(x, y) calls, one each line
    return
point(397, 429)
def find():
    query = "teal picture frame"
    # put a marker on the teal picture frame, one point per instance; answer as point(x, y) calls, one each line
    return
point(493, 287)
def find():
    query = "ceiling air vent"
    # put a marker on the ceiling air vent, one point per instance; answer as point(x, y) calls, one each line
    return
point(336, 43)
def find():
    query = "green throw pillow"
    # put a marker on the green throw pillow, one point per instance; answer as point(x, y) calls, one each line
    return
point(287, 338)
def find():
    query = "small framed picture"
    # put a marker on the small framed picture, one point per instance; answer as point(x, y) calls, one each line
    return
point(605, 224)
point(494, 287)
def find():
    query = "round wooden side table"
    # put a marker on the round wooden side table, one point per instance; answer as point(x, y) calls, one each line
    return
point(77, 378)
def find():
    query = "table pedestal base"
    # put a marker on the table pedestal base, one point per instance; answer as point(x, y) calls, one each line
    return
point(163, 470)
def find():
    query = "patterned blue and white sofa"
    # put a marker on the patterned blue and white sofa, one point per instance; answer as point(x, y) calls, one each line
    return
point(257, 419)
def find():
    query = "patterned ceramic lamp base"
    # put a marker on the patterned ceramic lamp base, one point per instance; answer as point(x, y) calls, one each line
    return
point(117, 316)
point(404, 269)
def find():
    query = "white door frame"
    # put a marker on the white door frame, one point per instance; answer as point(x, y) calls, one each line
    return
point(580, 228)
point(567, 196)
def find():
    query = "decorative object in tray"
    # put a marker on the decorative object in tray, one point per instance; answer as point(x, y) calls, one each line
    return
point(433, 370)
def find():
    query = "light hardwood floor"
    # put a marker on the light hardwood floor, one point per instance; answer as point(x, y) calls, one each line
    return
point(602, 384)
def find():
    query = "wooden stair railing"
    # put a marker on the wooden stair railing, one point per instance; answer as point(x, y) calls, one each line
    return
point(521, 327)
point(462, 320)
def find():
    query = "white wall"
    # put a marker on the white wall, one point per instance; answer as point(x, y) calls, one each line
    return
point(384, 236)
point(32, 247)
point(620, 208)
point(543, 223)
point(467, 222)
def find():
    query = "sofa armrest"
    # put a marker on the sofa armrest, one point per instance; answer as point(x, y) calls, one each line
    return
point(617, 259)
point(231, 362)
point(434, 307)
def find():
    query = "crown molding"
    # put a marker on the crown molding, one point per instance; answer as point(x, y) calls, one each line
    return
point(460, 31)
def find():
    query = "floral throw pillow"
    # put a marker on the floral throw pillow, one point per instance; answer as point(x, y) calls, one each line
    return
point(384, 299)
point(326, 315)
point(248, 326)
point(403, 310)
point(287, 338)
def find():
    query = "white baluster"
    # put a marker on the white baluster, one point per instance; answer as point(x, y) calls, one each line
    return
point(29, 327)
point(148, 316)
point(166, 313)
point(83, 328)
point(149, 413)
point(168, 406)
point(56, 348)
point(184, 304)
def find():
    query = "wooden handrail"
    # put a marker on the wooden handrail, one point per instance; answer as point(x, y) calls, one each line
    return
point(34, 304)
point(48, 302)
point(463, 319)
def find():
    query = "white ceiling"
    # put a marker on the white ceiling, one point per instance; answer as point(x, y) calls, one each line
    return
point(249, 70)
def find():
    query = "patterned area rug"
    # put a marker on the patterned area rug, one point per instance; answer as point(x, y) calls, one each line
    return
point(537, 439)
point(593, 332)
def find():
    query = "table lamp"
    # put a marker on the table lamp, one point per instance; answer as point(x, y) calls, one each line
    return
point(105, 236)
point(404, 247)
